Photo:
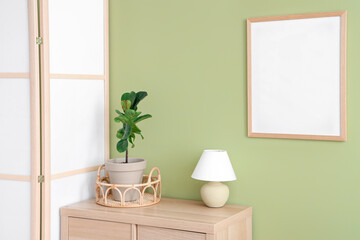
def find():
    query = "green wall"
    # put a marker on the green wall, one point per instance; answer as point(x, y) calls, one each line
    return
point(190, 55)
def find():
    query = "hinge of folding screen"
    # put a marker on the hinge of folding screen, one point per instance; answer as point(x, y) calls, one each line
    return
point(41, 178)
point(39, 40)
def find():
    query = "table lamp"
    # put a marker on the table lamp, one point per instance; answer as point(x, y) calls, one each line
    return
point(214, 166)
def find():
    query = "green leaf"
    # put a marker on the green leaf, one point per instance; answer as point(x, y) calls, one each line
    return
point(125, 104)
point(120, 133)
point(132, 97)
point(122, 145)
point(125, 96)
point(130, 113)
point(118, 112)
point(135, 129)
point(139, 96)
point(137, 114)
point(127, 131)
point(143, 117)
point(123, 118)
point(131, 141)
point(117, 119)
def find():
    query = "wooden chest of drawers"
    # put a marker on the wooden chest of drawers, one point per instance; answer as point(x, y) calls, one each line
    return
point(171, 219)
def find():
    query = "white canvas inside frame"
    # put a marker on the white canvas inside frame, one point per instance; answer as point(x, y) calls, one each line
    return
point(76, 33)
point(295, 70)
point(15, 133)
point(68, 190)
point(15, 210)
point(77, 122)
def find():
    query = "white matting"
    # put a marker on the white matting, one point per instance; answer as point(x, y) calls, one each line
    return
point(296, 76)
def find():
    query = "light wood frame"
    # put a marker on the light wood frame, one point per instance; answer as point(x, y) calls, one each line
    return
point(33, 76)
point(16, 75)
point(343, 34)
point(45, 117)
point(45, 110)
point(35, 121)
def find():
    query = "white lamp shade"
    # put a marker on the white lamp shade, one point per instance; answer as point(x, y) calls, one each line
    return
point(214, 166)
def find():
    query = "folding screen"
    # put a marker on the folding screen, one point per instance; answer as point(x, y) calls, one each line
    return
point(75, 102)
point(19, 121)
point(53, 110)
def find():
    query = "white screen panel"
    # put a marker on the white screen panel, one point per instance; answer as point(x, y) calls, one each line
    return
point(15, 132)
point(14, 41)
point(76, 36)
point(65, 191)
point(15, 210)
point(77, 124)
point(296, 76)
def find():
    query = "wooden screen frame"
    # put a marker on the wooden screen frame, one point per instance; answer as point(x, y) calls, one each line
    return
point(45, 109)
point(35, 121)
point(33, 76)
point(343, 34)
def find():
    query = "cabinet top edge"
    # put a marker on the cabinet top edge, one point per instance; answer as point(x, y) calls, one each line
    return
point(169, 212)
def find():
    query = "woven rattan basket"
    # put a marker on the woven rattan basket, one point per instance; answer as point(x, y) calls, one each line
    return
point(149, 190)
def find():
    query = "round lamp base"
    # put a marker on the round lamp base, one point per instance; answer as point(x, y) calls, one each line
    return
point(214, 194)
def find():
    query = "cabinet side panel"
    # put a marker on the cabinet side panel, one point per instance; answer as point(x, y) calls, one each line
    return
point(237, 230)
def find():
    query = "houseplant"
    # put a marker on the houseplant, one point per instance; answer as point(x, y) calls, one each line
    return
point(128, 170)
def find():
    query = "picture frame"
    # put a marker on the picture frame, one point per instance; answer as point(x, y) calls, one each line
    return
point(296, 76)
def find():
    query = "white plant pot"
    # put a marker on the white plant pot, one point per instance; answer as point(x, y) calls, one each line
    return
point(125, 173)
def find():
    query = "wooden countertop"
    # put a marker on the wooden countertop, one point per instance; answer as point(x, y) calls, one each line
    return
point(171, 213)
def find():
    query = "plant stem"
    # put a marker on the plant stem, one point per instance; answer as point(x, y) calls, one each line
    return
point(127, 156)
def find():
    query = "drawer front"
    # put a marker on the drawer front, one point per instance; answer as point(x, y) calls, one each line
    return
point(86, 229)
point(154, 233)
